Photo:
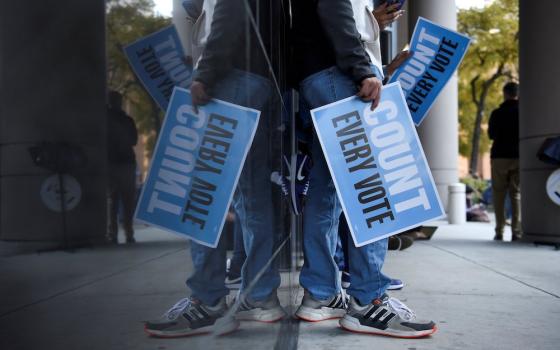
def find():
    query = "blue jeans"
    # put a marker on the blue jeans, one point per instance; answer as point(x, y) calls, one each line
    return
point(320, 274)
point(252, 202)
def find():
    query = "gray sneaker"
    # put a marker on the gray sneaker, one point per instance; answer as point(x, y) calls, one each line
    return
point(385, 316)
point(268, 310)
point(313, 310)
point(190, 317)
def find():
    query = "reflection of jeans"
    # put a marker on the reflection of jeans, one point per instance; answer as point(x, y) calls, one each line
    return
point(252, 202)
point(320, 274)
point(238, 257)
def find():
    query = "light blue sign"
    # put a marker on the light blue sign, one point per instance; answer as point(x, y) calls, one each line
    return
point(196, 166)
point(159, 62)
point(379, 169)
point(437, 52)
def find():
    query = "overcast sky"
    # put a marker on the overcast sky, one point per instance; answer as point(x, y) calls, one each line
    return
point(164, 7)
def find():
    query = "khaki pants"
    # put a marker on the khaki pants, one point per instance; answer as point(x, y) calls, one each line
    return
point(505, 179)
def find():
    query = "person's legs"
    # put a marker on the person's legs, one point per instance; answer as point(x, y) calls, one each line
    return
point(253, 199)
point(127, 184)
point(239, 256)
point(207, 281)
point(344, 236)
point(515, 198)
point(320, 232)
point(112, 208)
point(499, 188)
point(319, 275)
point(252, 202)
point(365, 264)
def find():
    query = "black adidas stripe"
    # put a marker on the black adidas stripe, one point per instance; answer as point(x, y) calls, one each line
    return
point(370, 312)
point(378, 316)
point(202, 311)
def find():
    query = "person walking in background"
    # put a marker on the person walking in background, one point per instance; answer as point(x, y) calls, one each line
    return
point(503, 129)
point(122, 136)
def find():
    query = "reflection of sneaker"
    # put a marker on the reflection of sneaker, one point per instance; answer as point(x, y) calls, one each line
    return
point(268, 310)
point(233, 276)
point(395, 284)
point(313, 310)
point(190, 317)
point(386, 316)
point(296, 183)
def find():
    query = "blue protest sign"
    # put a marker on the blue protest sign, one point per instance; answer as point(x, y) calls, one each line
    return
point(159, 62)
point(437, 52)
point(377, 164)
point(196, 166)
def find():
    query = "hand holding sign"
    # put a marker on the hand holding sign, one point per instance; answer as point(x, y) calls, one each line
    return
point(377, 164)
point(370, 90)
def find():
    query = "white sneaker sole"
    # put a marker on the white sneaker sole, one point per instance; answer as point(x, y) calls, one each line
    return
point(395, 286)
point(261, 315)
point(315, 315)
point(353, 325)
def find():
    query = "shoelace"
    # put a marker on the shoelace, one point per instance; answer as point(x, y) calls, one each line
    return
point(401, 309)
point(345, 298)
point(176, 309)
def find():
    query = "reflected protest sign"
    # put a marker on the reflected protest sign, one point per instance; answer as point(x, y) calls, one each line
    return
point(437, 52)
point(195, 167)
point(159, 62)
point(377, 164)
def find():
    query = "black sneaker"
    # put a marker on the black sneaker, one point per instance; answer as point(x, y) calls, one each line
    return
point(400, 242)
point(233, 275)
point(313, 310)
point(296, 183)
point(190, 317)
point(385, 316)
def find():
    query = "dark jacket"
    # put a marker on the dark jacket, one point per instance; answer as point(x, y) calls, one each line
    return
point(503, 128)
point(122, 136)
point(233, 42)
point(324, 34)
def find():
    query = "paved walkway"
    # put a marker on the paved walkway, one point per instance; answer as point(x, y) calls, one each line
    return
point(483, 295)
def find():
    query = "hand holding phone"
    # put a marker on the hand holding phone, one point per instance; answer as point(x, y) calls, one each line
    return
point(388, 12)
point(395, 5)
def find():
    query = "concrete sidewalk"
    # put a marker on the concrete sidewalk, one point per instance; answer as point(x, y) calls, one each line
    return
point(483, 295)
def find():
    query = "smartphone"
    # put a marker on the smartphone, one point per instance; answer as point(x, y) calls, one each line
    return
point(399, 2)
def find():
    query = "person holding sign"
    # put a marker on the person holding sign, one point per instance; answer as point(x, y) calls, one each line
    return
point(332, 65)
point(225, 73)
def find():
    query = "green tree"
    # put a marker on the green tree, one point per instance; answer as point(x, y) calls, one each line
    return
point(490, 61)
point(128, 21)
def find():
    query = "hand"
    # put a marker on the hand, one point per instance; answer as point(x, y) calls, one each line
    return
point(199, 95)
point(386, 14)
point(397, 61)
point(370, 90)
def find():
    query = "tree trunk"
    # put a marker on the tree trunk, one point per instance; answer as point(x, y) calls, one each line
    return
point(480, 104)
point(473, 167)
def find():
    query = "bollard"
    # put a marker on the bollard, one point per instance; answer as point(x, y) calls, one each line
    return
point(456, 205)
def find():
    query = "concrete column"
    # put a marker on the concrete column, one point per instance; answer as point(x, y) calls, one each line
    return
point(539, 116)
point(52, 88)
point(439, 131)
